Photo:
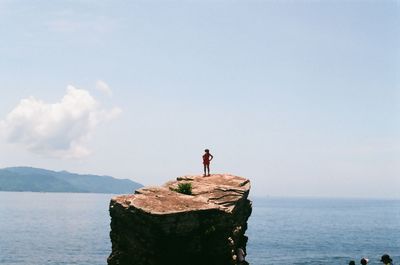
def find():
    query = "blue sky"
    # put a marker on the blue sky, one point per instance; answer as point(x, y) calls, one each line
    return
point(302, 97)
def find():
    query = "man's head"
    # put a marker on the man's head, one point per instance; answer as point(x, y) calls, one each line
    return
point(364, 261)
point(386, 258)
point(352, 262)
point(207, 151)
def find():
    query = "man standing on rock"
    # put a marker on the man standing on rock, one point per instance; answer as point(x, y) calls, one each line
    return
point(207, 157)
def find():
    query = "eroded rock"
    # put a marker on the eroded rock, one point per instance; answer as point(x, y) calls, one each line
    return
point(158, 226)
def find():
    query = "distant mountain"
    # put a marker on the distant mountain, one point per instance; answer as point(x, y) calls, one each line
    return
point(43, 180)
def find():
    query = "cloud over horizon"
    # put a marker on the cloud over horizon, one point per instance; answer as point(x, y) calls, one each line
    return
point(103, 87)
point(61, 129)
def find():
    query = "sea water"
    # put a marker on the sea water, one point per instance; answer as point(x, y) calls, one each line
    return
point(323, 231)
point(73, 228)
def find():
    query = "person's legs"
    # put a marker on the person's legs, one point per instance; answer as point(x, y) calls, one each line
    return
point(206, 169)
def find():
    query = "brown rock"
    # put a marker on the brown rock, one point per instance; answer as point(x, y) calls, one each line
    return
point(158, 226)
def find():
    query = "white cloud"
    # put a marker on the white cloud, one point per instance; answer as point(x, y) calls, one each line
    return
point(60, 129)
point(104, 87)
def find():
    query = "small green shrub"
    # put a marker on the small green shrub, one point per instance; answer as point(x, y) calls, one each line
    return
point(185, 188)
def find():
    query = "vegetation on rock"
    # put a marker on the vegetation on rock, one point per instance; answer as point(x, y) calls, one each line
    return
point(185, 188)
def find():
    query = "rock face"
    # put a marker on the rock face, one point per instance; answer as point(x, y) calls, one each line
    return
point(158, 226)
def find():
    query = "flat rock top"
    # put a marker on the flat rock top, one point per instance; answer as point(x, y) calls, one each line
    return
point(218, 191)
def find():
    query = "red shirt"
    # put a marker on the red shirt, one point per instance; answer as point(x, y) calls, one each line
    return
point(206, 158)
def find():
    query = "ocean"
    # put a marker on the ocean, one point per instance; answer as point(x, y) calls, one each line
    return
point(73, 228)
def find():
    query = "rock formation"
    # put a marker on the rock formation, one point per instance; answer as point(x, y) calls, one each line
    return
point(159, 226)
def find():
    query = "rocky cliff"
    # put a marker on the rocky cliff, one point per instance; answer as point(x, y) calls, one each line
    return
point(158, 225)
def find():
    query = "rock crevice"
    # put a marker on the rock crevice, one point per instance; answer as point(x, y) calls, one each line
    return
point(158, 225)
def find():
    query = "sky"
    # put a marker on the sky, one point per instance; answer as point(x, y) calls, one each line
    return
point(301, 97)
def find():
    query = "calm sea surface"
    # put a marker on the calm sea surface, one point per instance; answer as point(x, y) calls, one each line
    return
point(72, 228)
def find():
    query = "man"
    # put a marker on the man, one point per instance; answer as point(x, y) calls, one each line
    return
point(364, 261)
point(207, 157)
point(386, 259)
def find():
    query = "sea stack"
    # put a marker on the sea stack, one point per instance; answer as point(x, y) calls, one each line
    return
point(160, 225)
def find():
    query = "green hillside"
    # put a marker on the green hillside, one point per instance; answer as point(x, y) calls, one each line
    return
point(42, 180)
